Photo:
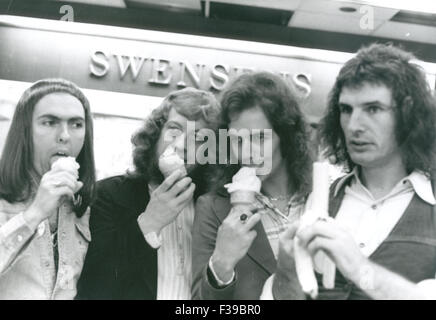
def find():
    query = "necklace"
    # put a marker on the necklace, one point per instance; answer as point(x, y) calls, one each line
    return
point(280, 198)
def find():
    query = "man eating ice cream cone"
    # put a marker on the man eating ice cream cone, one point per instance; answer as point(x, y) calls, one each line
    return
point(236, 227)
point(141, 221)
point(47, 178)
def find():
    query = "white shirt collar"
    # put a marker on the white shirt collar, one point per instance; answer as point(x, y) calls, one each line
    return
point(420, 182)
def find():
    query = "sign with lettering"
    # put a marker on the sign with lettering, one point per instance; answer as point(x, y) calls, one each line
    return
point(154, 67)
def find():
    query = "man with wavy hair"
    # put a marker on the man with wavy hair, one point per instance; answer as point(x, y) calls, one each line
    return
point(381, 234)
point(235, 251)
point(141, 222)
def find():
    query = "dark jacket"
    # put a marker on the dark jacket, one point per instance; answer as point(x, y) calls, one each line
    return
point(119, 263)
point(251, 271)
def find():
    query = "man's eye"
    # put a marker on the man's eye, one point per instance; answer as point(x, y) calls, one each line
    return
point(200, 136)
point(345, 109)
point(48, 123)
point(373, 109)
point(78, 125)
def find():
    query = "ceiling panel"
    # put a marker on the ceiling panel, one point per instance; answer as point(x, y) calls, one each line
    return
point(290, 5)
point(183, 4)
point(236, 12)
point(333, 8)
point(327, 22)
point(108, 3)
point(406, 31)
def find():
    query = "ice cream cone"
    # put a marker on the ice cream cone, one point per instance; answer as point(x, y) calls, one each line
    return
point(170, 161)
point(242, 199)
point(245, 184)
point(170, 169)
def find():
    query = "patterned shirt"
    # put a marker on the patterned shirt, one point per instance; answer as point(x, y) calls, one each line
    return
point(174, 276)
point(27, 259)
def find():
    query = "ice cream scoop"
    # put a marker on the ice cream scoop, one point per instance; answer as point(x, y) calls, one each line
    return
point(170, 161)
point(66, 164)
point(245, 184)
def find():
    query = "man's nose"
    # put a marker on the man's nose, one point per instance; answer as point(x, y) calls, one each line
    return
point(246, 151)
point(180, 144)
point(356, 121)
point(64, 133)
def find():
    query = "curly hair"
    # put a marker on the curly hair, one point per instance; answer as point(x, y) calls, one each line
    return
point(280, 106)
point(16, 163)
point(415, 114)
point(193, 104)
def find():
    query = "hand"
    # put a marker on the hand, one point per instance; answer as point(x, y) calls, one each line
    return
point(337, 243)
point(54, 185)
point(166, 202)
point(234, 238)
point(285, 283)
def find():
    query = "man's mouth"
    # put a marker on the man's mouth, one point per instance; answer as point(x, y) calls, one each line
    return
point(358, 144)
point(61, 154)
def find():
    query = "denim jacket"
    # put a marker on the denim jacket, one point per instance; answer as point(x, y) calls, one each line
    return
point(27, 266)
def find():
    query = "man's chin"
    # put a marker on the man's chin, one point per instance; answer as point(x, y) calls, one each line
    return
point(362, 160)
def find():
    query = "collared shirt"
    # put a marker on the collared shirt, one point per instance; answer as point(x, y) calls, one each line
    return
point(175, 257)
point(27, 267)
point(275, 224)
point(370, 220)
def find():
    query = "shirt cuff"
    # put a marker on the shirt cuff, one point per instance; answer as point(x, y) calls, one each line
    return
point(15, 231)
point(428, 287)
point(153, 239)
point(267, 293)
point(217, 279)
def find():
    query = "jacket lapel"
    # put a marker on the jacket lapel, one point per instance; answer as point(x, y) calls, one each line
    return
point(260, 251)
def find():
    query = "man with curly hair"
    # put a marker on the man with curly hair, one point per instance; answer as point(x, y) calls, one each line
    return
point(234, 252)
point(141, 222)
point(381, 234)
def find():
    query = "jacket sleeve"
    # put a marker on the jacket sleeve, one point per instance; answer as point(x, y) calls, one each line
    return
point(15, 235)
point(205, 230)
point(116, 249)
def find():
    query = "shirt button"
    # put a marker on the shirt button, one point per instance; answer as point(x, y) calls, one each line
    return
point(20, 238)
point(41, 229)
point(374, 206)
point(47, 264)
point(362, 245)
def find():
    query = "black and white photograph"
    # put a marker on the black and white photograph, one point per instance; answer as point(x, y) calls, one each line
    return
point(218, 153)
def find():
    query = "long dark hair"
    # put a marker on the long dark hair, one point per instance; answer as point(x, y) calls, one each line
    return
point(415, 110)
point(16, 164)
point(281, 108)
point(192, 103)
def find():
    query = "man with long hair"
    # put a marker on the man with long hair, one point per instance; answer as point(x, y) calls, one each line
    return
point(233, 254)
point(141, 222)
point(44, 209)
point(381, 126)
